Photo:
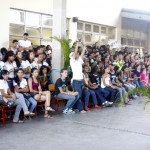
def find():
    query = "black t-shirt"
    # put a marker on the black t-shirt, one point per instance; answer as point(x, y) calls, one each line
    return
point(60, 84)
point(113, 76)
point(95, 79)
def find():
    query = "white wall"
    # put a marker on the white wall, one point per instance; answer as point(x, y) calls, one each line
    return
point(4, 25)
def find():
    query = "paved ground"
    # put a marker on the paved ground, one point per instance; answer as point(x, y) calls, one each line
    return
point(126, 128)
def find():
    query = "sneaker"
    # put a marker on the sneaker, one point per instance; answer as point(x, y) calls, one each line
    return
point(65, 111)
point(10, 103)
point(110, 103)
point(70, 111)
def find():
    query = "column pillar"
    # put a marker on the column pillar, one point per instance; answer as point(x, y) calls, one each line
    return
point(59, 29)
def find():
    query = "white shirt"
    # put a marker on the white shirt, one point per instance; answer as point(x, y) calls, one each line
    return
point(8, 66)
point(22, 85)
point(1, 65)
point(24, 43)
point(36, 65)
point(14, 50)
point(4, 86)
point(76, 65)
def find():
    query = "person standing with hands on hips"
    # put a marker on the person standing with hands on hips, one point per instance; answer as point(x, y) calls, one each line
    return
point(76, 61)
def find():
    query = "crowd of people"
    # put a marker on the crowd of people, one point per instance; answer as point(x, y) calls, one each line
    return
point(100, 77)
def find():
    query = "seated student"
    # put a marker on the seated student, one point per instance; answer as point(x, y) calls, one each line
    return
point(61, 91)
point(96, 81)
point(21, 86)
point(89, 90)
point(17, 98)
point(37, 93)
point(44, 77)
point(106, 84)
point(144, 76)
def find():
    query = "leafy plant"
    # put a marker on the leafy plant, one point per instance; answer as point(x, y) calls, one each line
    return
point(65, 44)
point(145, 91)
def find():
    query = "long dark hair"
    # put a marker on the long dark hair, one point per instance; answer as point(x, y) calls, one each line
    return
point(18, 63)
point(16, 79)
point(32, 70)
point(8, 54)
point(28, 56)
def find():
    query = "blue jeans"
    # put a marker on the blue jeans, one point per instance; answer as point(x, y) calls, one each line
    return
point(138, 83)
point(99, 92)
point(78, 87)
point(32, 103)
point(71, 99)
point(87, 94)
point(112, 93)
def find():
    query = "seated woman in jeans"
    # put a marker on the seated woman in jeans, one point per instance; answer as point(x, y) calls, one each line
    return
point(37, 93)
point(106, 84)
point(21, 86)
point(89, 90)
point(17, 98)
point(61, 91)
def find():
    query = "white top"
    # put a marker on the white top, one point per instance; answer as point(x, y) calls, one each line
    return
point(4, 86)
point(76, 65)
point(24, 43)
point(1, 65)
point(14, 50)
point(8, 66)
point(107, 81)
point(22, 85)
point(86, 79)
point(36, 65)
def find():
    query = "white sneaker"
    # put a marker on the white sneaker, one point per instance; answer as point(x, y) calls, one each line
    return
point(110, 103)
point(70, 111)
point(65, 111)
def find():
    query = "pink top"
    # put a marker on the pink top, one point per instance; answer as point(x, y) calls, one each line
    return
point(144, 78)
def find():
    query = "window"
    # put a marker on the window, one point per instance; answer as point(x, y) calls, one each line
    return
point(143, 36)
point(80, 26)
point(103, 30)
point(16, 29)
point(123, 41)
point(111, 33)
point(137, 35)
point(87, 37)
point(96, 29)
point(33, 32)
point(129, 33)
point(143, 43)
point(47, 21)
point(124, 32)
point(95, 38)
point(88, 27)
point(32, 19)
point(35, 41)
point(130, 42)
point(46, 33)
point(104, 40)
point(17, 16)
point(136, 43)
point(79, 36)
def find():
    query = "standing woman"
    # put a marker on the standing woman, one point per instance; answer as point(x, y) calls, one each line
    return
point(10, 66)
point(37, 93)
point(21, 86)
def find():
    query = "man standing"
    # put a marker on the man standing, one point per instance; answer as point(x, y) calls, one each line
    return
point(25, 44)
point(76, 62)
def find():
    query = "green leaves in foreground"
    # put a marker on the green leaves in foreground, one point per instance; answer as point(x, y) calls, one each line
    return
point(65, 44)
point(145, 91)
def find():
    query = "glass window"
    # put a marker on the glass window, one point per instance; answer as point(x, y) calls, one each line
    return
point(47, 20)
point(46, 42)
point(46, 33)
point(35, 41)
point(111, 33)
point(16, 29)
point(143, 43)
point(87, 38)
point(130, 42)
point(103, 30)
point(32, 19)
point(123, 41)
point(104, 40)
point(79, 36)
point(130, 33)
point(87, 27)
point(136, 43)
point(80, 26)
point(96, 29)
point(16, 16)
point(33, 32)
point(95, 38)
